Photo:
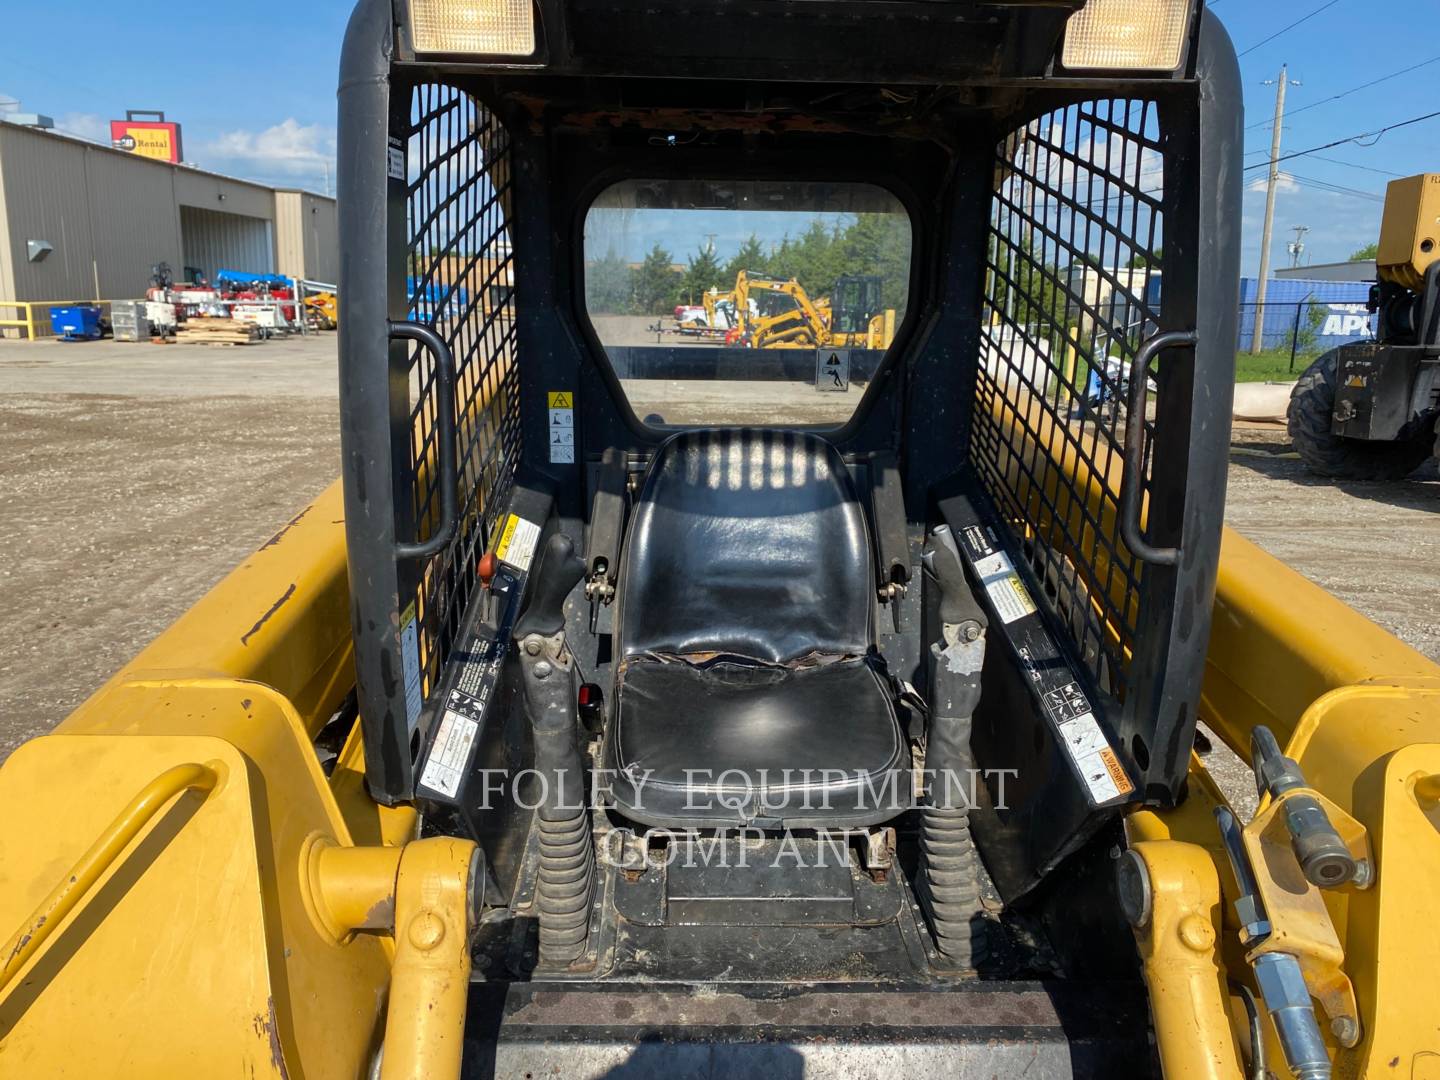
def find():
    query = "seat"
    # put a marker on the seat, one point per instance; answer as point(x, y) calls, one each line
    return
point(748, 689)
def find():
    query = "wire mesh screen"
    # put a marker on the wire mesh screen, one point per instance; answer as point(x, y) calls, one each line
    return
point(460, 282)
point(1071, 290)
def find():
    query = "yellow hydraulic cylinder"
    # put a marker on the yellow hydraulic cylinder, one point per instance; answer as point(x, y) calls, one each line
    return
point(1171, 894)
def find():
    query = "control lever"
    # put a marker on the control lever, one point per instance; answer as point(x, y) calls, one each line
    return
point(1325, 858)
point(559, 570)
point(949, 884)
point(960, 613)
point(566, 873)
point(486, 569)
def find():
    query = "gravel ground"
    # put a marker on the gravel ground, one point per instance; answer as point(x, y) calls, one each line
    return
point(135, 477)
point(121, 510)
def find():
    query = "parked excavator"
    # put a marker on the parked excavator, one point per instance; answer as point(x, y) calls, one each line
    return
point(777, 313)
point(556, 740)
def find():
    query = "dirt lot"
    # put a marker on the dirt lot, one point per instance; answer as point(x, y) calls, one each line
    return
point(134, 477)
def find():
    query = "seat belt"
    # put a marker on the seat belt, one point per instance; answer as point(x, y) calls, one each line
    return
point(602, 548)
point(887, 511)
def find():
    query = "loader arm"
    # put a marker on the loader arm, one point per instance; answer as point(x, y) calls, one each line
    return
point(252, 672)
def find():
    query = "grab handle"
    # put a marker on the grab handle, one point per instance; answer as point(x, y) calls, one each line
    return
point(447, 468)
point(1132, 482)
point(85, 873)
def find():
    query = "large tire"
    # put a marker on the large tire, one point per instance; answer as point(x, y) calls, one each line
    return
point(1312, 403)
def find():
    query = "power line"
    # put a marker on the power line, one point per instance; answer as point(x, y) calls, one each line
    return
point(1352, 139)
point(1352, 165)
point(1336, 189)
point(1287, 29)
point(1352, 90)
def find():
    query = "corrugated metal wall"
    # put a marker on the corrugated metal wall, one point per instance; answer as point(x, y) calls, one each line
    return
point(136, 223)
point(46, 199)
point(308, 236)
point(214, 240)
point(112, 216)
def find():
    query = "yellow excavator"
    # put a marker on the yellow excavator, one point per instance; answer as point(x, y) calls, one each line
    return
point(777, 313)
point(556, 741)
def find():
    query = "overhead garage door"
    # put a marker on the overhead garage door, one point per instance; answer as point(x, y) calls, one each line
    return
point(213, 241)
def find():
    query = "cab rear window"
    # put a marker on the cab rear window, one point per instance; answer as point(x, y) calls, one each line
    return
point(746, 302)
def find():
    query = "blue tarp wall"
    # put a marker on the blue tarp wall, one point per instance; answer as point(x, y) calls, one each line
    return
point(1341, 302)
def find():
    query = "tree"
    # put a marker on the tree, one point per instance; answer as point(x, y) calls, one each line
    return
point(1369, 251)
point(751, 258)
point(655, 284)
point(704, 274)
point(880, 244)
point(607, 285)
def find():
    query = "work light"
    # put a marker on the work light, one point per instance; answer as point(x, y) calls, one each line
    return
point(486, 27)
point(1141, 35)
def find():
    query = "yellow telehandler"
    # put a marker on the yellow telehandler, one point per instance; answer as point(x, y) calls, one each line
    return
point(832, 734)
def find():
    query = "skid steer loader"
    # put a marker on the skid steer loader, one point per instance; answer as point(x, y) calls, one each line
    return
point(640, 711)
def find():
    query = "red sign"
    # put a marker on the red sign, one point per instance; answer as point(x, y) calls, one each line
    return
point(148, 138)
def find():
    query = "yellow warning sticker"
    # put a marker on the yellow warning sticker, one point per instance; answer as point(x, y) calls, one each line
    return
point(561, 399)
point(517, 542)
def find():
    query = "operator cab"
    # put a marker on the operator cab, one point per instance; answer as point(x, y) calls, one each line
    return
point(738, 551)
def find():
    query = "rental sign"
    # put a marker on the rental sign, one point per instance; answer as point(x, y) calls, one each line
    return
point(147, 134)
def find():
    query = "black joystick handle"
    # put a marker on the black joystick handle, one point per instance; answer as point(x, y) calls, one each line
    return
point(559, 571)
point(957, 602)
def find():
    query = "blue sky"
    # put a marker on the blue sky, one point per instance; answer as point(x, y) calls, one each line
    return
point(255, 91)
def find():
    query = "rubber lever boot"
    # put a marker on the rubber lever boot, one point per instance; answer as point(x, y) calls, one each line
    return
point(950, 886)
point(565, 885)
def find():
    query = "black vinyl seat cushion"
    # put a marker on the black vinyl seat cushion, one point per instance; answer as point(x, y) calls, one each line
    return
point(732, 742)
point(748, 689)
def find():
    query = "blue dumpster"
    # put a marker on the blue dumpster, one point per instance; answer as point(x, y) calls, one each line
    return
point(76, 322)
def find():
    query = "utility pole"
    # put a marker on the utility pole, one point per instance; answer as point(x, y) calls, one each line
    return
point(1296, 247)
point(1255, 340)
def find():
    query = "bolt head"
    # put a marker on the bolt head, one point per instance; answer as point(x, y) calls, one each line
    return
point(1197, 933)
point(426, 931)
point(532, 646)
point(543, 669)
point(1346, 1030)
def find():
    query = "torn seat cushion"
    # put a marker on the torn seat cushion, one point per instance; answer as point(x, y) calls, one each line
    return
point(746, 664)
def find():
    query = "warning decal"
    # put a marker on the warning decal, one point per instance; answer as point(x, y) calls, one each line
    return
point(517, 543)
point(410, 663)
point(449, 753)
point(1011, 599)
point(1098, 766)
point(562, 427)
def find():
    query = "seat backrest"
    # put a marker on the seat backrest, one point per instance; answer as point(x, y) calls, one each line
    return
point(748, 542)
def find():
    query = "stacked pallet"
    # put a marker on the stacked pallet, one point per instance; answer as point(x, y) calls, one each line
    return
point(217, 332)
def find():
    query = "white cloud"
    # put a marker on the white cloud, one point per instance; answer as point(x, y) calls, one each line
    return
point(86, 125)
point(288, 150)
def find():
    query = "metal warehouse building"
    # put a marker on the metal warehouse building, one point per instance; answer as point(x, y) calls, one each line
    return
point(80, 221)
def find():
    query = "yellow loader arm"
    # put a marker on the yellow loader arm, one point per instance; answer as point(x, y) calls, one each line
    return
point(182, 880)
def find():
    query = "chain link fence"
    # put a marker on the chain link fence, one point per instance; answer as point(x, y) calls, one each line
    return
point(1292, 333)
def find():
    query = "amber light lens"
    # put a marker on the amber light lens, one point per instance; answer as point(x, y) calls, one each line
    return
point(484, 27)
point(1139, 35)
